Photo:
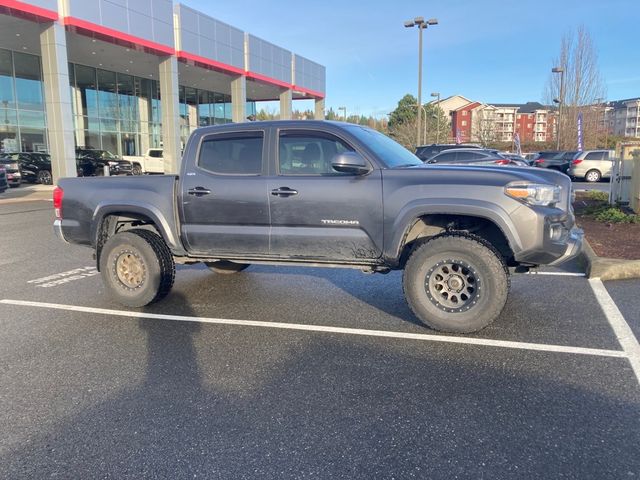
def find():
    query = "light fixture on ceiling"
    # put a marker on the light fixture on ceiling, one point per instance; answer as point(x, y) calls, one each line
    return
point(17, 34)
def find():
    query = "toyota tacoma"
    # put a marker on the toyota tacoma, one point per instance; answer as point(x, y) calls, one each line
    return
point(325, 194)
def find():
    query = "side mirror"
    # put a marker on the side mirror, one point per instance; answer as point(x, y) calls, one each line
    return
point(350, 162)
point(432, 161)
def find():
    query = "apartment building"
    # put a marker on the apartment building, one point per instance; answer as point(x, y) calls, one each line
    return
point(623, 117)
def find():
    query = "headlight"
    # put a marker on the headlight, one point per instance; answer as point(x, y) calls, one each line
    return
point(112, 164)
point(534, 193)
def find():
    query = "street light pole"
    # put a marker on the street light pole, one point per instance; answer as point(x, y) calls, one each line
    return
point(437, 94)
point(560, 101)
point(421, 24)
point(344, 109)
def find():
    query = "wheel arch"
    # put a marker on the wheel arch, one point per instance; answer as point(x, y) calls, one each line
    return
point(109, 219)
point(485, 223)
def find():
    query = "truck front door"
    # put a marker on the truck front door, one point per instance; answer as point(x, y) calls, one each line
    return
point(225, 208)
point(316, 212)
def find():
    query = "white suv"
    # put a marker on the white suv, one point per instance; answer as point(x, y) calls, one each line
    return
point(592, 165)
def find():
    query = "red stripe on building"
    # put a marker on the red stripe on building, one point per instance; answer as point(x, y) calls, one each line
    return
point(122, 38)
point(30, 12)
point(309, 92)
point(269, 80)
point(220, 66)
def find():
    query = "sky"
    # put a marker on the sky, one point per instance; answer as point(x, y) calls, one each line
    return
point(487, 50)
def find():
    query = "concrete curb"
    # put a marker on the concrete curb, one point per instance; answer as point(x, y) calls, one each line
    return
point(27, 193)
point(608, 268)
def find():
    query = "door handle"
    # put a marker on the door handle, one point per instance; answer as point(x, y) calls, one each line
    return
point(198, 191)
point(284, 192)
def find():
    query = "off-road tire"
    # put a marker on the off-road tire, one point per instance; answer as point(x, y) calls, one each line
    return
point(471, 254)
point(592, 176)
point(136, 169)
point(224, 267)
point(152, 253)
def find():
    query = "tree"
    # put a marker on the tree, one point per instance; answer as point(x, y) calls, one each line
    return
point(584, 87)
point(483, 125)
point(405, 112)
point(403, 123)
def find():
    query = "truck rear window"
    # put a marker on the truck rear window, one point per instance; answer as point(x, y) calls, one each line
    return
point(232, 154)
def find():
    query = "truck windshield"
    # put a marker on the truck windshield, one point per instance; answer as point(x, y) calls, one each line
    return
point(391, 153)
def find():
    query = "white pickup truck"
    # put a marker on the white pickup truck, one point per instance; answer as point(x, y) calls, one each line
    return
point(151, 162)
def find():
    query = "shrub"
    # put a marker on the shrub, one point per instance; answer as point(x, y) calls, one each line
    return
point(615, 215)
point(598, 196)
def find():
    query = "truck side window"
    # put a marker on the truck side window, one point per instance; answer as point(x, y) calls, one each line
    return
point(233, 154)
point(308, 153)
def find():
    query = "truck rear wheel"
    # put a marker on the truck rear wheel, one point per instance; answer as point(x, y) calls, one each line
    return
point(137, 267)
point(225, 267)
point(456, 283)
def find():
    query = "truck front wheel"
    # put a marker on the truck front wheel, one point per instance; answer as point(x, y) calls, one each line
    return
point(137, 267)
point(225, 267)
point(456, 283)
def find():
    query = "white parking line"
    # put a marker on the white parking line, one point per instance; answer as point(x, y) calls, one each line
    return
point(560, 274)
point(327, 329)
point(621, 328)
point(65, 277)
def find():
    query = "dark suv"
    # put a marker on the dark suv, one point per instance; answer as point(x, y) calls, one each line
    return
point(35, 167)
point(91, 162)
point(555, 160)
point(425, 152)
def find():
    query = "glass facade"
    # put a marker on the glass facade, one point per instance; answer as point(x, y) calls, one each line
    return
point(22, 115)
point(111, 111)
point(122, 114)
point(114, 111)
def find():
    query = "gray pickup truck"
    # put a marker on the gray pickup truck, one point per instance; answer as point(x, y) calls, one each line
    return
point(325, 194)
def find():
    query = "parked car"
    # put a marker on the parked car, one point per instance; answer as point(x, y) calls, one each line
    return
point(151, 162)
point(519, 159)
point(592, 165)
point(91, 162)
point(479, 156)
point(35, 167)
point(258, 193)
point(425, 152)
point(3, 180)
point(12, 170)
point(559, 161)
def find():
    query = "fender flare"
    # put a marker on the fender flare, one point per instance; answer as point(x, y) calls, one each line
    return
point(163, 225)
point(481, 209)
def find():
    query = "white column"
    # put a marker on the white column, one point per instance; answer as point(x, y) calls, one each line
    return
point(143, 108)
point(57, 96)
point(286, 104)
point(319, 113)
point(170, 104)
point(239, 99)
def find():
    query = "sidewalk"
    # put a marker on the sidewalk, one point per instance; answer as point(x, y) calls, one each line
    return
point(27, 193)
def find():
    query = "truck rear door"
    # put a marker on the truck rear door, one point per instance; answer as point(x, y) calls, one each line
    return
point(316, 212)
point(224, 196)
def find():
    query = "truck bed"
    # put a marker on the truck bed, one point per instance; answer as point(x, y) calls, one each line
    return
point(89, 199)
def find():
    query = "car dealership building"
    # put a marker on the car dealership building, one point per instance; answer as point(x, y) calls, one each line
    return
point(128, 75)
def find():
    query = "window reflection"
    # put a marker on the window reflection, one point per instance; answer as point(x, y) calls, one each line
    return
point(22, 118)
point(111, 111)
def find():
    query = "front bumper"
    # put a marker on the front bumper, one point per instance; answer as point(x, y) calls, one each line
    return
point(552, 239)
point(574, 246)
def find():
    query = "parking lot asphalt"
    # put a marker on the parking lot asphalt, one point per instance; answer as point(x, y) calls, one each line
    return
point(302, 373)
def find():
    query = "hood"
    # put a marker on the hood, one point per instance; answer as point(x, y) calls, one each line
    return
point(499, 176)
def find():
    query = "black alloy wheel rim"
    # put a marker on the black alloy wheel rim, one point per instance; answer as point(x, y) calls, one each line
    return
point(453, 286)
